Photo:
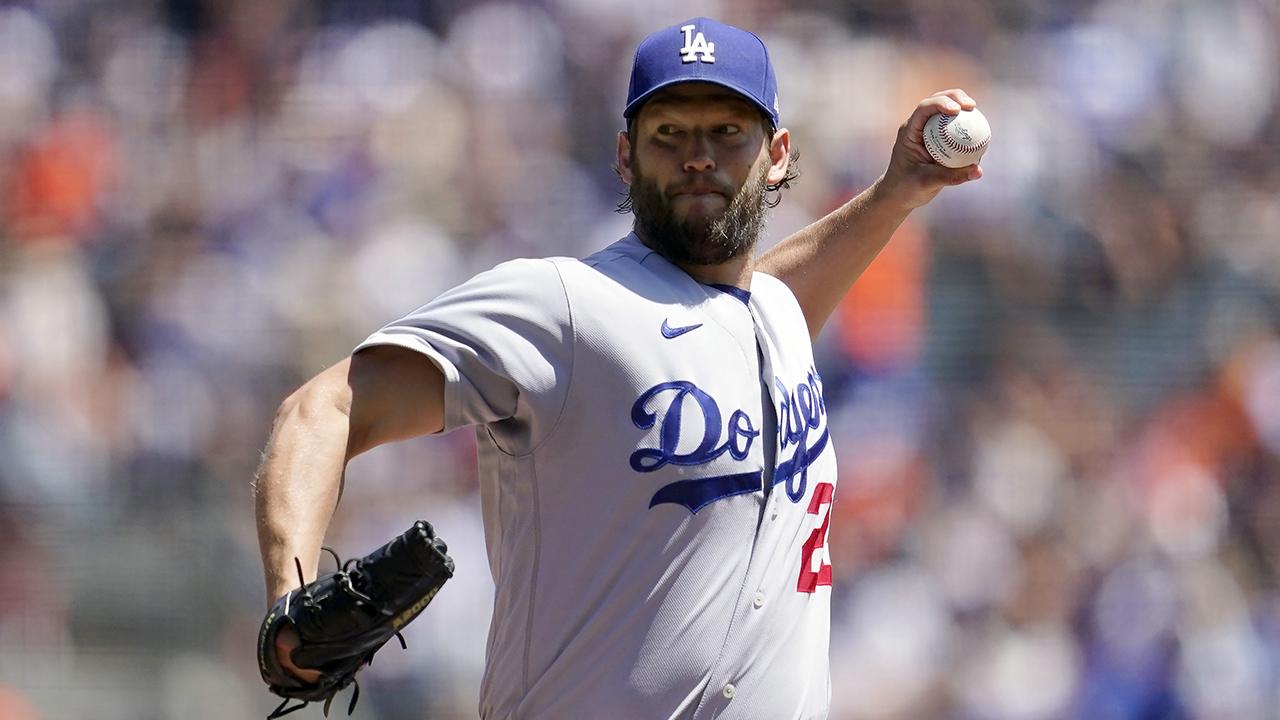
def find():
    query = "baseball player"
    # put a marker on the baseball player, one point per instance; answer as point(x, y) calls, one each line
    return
point(656, 472)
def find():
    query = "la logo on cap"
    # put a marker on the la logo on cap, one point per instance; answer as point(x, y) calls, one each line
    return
point(745, 69)
point(696, 47)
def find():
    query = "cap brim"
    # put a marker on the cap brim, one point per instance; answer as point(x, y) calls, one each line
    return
point(636, 104)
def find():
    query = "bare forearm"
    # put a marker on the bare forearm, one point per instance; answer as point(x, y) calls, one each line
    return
point(821, 262)
point(380, 395)
point(299, 484)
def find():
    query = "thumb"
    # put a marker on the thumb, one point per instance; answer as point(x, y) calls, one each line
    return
point(956, 176)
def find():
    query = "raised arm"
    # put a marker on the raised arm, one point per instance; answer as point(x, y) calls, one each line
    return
point(821, 262)
point(379, 395)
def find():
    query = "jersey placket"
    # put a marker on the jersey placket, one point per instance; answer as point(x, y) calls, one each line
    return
point(772, 431)
point(725, 688)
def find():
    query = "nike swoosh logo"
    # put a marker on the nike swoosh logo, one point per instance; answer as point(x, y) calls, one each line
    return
point(669, 332)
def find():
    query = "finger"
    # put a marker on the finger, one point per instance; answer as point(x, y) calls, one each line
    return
point(913, 128)
point(927, 108)
point(960, 97)
point(286, 642)
point(912, 131)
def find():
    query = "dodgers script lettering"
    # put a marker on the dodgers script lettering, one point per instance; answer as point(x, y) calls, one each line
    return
point(681, 410)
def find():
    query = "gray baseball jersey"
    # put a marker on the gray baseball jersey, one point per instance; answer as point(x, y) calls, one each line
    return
point(651, 558)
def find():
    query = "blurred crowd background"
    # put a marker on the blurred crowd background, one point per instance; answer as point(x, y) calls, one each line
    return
point(1055, 397)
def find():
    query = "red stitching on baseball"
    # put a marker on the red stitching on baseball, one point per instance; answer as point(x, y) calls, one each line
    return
point(951, 143)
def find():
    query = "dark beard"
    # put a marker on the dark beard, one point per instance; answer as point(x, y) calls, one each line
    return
point(699, 242)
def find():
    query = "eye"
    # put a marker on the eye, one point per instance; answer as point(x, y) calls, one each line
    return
point(667, 130)
point(728, 130)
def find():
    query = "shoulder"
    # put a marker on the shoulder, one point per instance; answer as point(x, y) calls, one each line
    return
point(778, 308)
point(771, 290)
point(628, 251)
point(625, 269)
point(532, 274)
point(522, 273)
point(511, 285)
point(538, 287)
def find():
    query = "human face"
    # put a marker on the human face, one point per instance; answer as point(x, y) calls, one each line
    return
point(697, 160)
point(717, 240)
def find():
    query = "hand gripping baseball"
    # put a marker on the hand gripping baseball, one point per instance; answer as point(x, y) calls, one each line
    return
point(341, 619)
point(913, 176)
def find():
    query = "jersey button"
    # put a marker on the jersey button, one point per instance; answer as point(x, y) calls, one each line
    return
point(759, 600)
point(729, 691)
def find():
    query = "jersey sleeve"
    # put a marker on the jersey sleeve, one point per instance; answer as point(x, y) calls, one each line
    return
point(504, 342)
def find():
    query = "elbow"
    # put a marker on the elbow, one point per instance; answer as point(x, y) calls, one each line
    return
point(289, 408)
point(306, 405)
point(320, 405)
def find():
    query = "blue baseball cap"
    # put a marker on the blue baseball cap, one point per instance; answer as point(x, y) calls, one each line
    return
point(703, 50)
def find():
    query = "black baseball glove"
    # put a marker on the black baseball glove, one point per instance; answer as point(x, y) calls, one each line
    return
point(343, 618)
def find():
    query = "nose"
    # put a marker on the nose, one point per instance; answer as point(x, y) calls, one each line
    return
point(698, 157)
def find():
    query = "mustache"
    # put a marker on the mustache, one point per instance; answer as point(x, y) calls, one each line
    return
point(700, 183)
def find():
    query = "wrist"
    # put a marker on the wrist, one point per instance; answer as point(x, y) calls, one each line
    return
point(286, 579)
point(886, 195)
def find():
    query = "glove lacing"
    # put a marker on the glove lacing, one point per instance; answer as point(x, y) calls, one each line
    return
point(308, 601)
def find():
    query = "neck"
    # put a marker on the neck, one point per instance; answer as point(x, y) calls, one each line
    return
point(736, 272)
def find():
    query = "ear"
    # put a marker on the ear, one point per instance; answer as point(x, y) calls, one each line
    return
point(779, 156)
point(623, 164)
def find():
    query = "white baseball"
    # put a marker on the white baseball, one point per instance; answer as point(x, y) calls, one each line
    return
point(957, 140)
